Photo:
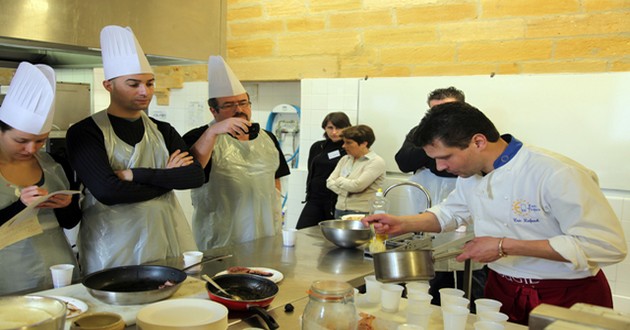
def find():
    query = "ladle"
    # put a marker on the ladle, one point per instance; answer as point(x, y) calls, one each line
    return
point(216, 285)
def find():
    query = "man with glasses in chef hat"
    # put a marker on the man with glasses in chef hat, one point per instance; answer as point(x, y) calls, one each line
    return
point(130, 164)
point(542, 223)
point(240, 200)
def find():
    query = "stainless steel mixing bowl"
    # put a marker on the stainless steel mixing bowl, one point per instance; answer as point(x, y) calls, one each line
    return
point(32, 312)
point(345, 233)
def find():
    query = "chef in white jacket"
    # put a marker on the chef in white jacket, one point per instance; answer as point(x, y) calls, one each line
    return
point(240, 201)
point(541, 221)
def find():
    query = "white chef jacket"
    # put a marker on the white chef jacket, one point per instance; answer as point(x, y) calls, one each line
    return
point(540, 195)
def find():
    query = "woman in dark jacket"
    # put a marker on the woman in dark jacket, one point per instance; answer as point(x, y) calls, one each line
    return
point(322, 159)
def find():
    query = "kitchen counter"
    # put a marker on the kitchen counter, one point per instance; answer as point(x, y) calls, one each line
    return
point(312, 258)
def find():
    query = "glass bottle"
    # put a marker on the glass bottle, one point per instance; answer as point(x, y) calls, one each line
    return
point(330, 307)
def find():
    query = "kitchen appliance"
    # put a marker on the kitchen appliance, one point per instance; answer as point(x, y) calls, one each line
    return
point(67, 33)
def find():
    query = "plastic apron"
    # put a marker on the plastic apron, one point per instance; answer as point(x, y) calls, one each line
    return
point(132, 233)
point(25, 264)
point(239, 202)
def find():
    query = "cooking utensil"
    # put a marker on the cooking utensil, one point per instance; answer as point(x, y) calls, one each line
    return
point(211, 281)
point(138, 284)
point(256, 293)
point(407, 265)
point(345, 233)
point(33, 312)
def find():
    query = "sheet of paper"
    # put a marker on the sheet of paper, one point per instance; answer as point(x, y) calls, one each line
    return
point(25, 224)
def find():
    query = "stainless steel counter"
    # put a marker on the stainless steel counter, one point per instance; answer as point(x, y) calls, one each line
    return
point(312, 258)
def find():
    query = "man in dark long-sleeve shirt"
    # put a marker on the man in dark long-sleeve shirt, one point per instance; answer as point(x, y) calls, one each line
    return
point(129, 164)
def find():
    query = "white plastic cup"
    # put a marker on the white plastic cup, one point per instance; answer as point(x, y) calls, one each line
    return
point(191, 258)
point(373, 289)
point(406, 326)
point(417, 287)
point(451, 292)
point(61, 274)
point(486, 304)
point(487, 325)
point(448, 300)
point(419, 316)
point(454, 317)
point(288, 236)
point(419, 300)
point(491, 316)
point(390, 297)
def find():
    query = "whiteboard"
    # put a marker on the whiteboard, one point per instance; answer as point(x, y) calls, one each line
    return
point(583, 116)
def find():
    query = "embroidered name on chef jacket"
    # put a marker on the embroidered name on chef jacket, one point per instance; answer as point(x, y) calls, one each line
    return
point(334, 154)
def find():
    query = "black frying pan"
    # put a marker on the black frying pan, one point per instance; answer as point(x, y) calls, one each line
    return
point(132, 285)
point(139, 284)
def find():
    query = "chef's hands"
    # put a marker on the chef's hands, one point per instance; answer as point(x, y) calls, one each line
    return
point(481, 249)
point(385, 224)
point(29, 194)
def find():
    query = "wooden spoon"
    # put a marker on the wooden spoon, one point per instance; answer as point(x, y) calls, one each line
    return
point(216, 285)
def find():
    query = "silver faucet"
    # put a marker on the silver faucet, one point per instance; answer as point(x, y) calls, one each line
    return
point(413, 184)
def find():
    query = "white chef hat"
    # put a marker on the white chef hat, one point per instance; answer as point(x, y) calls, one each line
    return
point(29, 103)
point(222, 82)
point(121, 52)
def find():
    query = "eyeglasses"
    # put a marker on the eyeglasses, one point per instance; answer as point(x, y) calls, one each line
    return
point(233, 106)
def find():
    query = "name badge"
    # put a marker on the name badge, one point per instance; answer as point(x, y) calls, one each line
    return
point(334, 154)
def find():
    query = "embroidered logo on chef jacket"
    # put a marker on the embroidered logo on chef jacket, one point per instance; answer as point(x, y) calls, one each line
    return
point(525, 212)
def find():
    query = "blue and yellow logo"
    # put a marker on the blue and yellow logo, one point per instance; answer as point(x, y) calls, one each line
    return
point(523, 208)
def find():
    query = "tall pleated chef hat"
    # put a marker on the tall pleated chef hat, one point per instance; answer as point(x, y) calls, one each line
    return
point(222, 81)
point(121, 53)
point(29, 103)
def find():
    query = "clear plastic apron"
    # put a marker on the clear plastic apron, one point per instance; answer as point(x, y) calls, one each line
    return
point(25, 264)
point(240, 201)
point(132, 233)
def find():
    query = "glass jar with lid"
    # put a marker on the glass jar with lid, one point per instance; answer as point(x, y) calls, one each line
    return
point(330, 307)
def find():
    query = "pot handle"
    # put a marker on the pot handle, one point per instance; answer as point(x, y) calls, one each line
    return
point(204, 260)
point(447, 255)
point(269, 320)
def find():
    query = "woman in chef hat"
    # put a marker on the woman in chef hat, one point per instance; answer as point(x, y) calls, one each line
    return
point(27, 173)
